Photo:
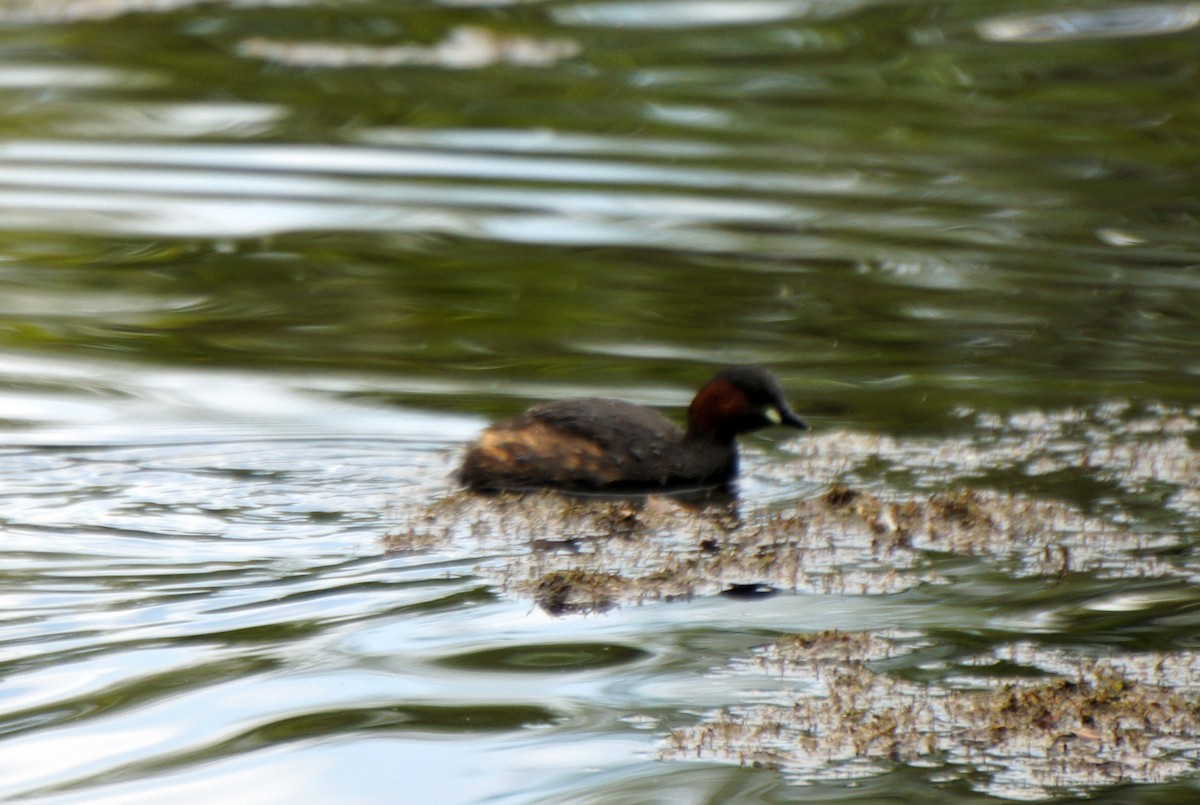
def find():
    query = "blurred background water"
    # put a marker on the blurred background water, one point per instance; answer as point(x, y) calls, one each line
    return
point(265, 266)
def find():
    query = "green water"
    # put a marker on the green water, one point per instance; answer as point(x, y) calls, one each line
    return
point(265, 267)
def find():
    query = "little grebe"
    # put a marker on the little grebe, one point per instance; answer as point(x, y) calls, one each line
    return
point(600, 445)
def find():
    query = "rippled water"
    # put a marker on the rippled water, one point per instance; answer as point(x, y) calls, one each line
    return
point(266, 266)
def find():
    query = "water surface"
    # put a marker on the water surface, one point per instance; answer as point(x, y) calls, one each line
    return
point(265, 266)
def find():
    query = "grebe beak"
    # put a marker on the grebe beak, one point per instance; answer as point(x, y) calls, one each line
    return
point(778, 415)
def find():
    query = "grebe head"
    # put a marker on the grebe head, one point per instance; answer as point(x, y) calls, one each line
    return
point(738, 400)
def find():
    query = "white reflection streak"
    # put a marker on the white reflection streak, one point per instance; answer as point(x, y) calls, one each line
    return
point(90, 677)
point(105, 213)
point(144, 120)
point(299, 186)
point(244, 786)
point(465, 47)
point(1113, 23)
point(46, 759)
point(28, 76)
point(380, 162)
point(258, 191)
point(668, 14)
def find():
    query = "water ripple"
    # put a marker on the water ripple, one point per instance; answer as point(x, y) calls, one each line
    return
point(674, 14)
point(1105, 23)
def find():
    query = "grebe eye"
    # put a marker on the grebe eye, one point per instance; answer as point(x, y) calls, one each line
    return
point(772, 415)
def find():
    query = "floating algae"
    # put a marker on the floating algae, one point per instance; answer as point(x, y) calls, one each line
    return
point(1090, 722)
point(845, 541)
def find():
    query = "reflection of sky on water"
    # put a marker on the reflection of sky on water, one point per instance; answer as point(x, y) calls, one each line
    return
point(673, 14)
point(1111, 23)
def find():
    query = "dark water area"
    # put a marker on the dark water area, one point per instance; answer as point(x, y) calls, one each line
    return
point(265, 267)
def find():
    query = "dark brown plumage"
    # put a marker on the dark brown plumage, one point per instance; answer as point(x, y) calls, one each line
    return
point(601, 445)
